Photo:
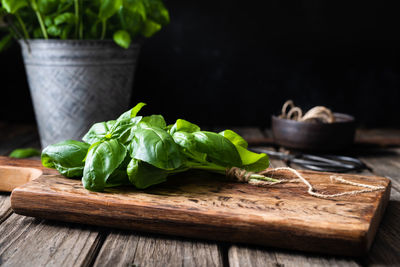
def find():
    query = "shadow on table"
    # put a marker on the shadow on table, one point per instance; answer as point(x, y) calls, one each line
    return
point(386, 248)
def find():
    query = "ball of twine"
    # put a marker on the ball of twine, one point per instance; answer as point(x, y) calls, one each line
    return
point(316, 114)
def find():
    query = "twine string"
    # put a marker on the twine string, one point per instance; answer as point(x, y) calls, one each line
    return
point(288, 103)
point(295, 113)
point(318, 113)
point(244, 176)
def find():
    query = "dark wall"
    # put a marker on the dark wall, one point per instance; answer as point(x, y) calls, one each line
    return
point(236, 62)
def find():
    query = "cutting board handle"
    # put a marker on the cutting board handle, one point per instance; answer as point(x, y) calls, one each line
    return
point(16, 172)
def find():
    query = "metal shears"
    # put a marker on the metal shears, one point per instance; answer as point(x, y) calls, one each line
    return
point(325, 163)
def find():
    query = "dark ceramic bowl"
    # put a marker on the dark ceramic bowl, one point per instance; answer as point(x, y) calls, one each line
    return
point(314, 136)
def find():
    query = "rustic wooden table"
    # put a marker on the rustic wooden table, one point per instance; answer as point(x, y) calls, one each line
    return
point(26, 241)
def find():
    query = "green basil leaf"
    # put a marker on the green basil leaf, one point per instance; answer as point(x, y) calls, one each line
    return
point(135, 6)
point(132, 112)
point(54, 30)
point(108, 8)
point(184, 126)
point(132, 16)
point(119, 176)
point(122, 129)
point(150, 28)
point(156, 147)
point(66, 157)
point(218, 149)
point(117, 129)
point(24, 153)
point(253, 161)
point(5, 42)
point(122, 38)
point(155, 120)
point(98, 132)
point(47, 6)
point(48, 21)
point(101, 162)
point(12, 6)
point(185, 140)
point(130, 21)
point(34, 5)
point(236, 139)
point(188, 144)
point(143, 175)
point(135, 110)
point(157, 12)
point(66, 17)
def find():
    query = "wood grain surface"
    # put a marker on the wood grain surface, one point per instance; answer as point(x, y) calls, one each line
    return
point(385, 250)
point(26, 241)
point(386, 247)
point(206, 206)
point(54, 243)
point(76, 249)
point(253, 256)
point(5, 205)
point(147, 250)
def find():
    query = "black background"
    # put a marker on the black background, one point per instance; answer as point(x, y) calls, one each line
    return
point(235, 62)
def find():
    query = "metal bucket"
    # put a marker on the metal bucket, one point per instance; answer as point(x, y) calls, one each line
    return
point(75, 83)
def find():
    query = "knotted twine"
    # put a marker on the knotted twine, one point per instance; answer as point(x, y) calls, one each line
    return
point(244, 176)
point(318, 113)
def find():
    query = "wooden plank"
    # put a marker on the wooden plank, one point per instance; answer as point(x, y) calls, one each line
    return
point(14, 173)
point(289, 257)
point(378, 137)
point(5, 206)
point(26, 241)
point(194, 206)
point(254, 256)
point(204, 205)
point(382, 136)
point(386, 249)
point(385, 162)
point(374, 138)
point(378, 132)
point(14, 136)
point(240, 255)
point(33, 242)
point(124, 248)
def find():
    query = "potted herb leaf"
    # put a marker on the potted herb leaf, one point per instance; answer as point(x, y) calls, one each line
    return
point(79, 57)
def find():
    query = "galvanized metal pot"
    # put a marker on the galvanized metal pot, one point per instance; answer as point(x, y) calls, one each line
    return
point(75, 83)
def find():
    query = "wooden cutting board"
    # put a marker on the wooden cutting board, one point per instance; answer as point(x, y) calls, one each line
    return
point(206, 206)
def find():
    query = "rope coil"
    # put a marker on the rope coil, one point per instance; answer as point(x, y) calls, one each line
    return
point(316, 114)
point(243, 176)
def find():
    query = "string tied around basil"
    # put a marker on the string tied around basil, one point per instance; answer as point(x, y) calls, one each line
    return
point(262, 179)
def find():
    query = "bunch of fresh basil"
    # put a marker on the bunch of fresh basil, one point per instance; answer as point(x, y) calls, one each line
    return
point(144, 151)
point(121, 20)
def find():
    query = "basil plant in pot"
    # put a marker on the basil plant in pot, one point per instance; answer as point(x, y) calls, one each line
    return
point(79, 57)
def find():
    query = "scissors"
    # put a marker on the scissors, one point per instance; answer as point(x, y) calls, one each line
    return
point(325, 163)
